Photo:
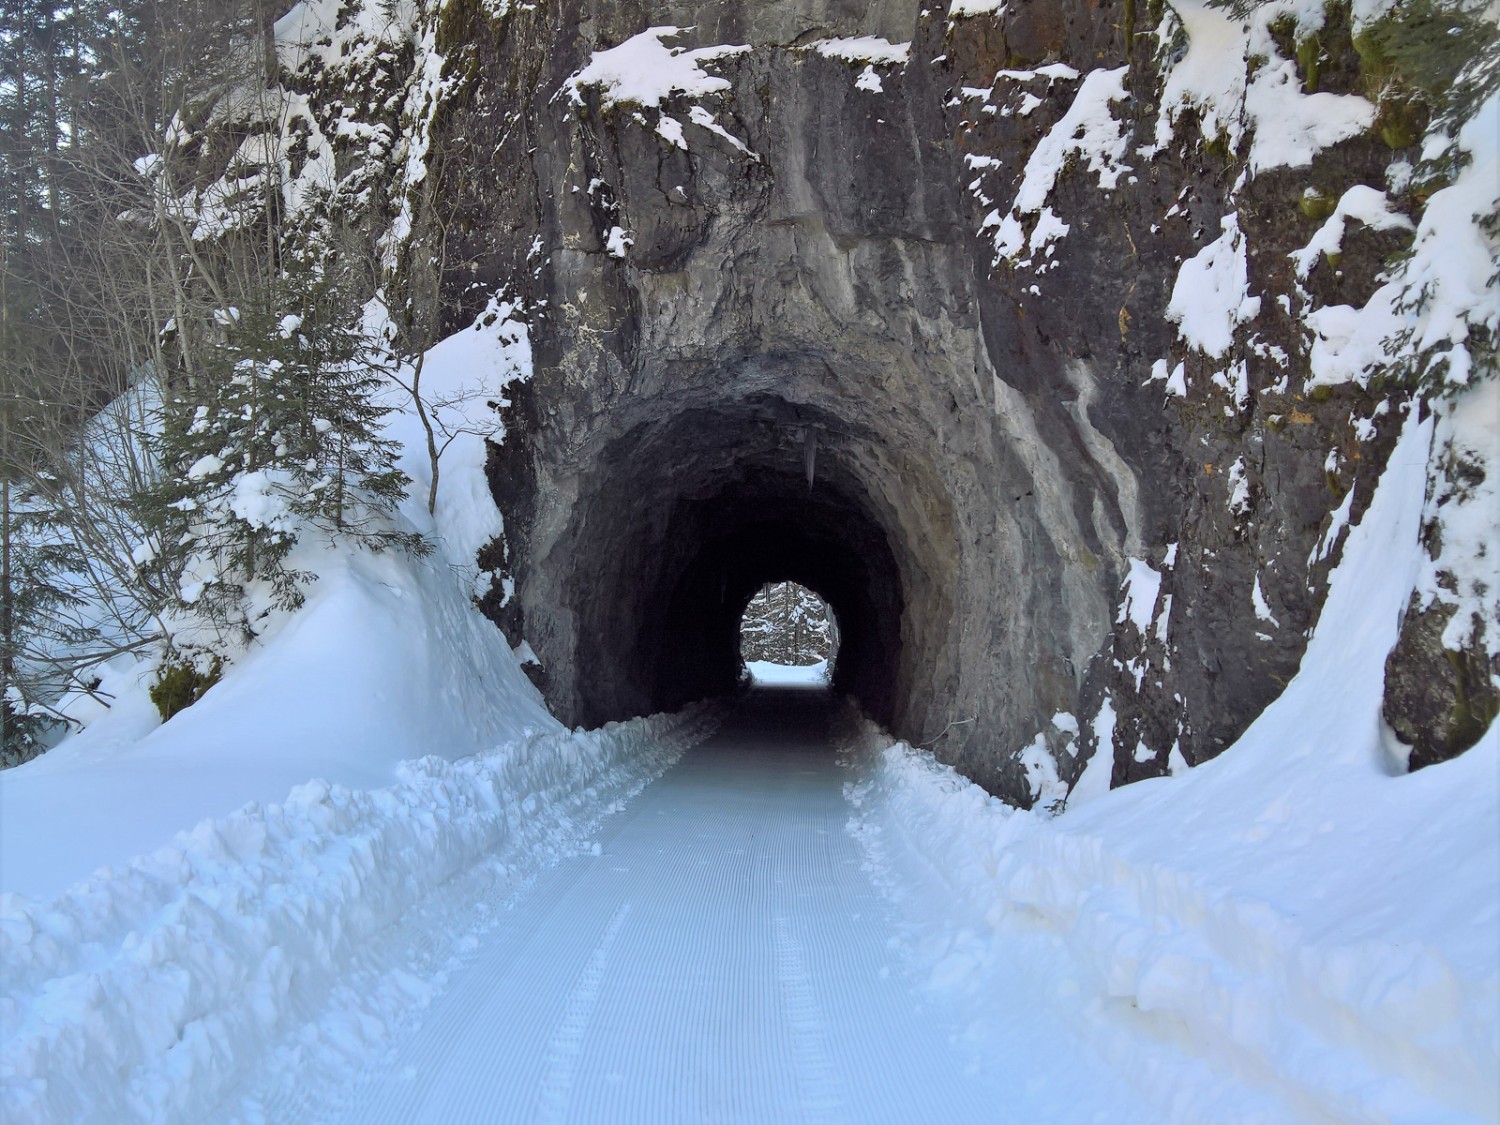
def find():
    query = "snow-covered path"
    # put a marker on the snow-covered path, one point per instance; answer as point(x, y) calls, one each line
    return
point(723, 958)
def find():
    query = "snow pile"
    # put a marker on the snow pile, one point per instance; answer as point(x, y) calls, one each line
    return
point(644, 71)
point(967, 9)
point(865, 48)
point(1141, 590)
point(144, 992)
point(1185, 915)
point(1211, 78)
point(1291, 127)
point(1211, 295)
point(388, 660)
point(869, 49)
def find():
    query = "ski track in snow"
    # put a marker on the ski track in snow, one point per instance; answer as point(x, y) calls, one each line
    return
point(567, 1041)
point(722, 955)
point(816, 1081)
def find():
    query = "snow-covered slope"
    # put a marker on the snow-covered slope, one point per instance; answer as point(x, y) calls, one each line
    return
point(1295, 912)
point(175, 897)
point(387, 661)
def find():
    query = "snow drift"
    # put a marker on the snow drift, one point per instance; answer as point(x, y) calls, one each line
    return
point(1293, 912)
point(144, 992)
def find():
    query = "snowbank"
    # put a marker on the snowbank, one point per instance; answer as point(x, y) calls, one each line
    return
point(1292, 912)
point(644, 71)
point(387, 661)
point(146, 992)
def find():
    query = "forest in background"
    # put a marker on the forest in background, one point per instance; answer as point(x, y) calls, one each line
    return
point(198, 346)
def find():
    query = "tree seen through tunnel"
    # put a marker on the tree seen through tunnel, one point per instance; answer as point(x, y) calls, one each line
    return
point(788, 626)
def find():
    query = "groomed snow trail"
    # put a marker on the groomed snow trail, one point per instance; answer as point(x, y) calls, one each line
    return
point(724, 957)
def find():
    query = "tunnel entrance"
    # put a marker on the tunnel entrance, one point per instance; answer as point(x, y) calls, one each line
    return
point(788, 635)
point(635, 603)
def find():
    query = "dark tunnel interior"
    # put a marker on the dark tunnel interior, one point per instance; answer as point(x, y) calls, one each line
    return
point(778, 531)
point(679, 521)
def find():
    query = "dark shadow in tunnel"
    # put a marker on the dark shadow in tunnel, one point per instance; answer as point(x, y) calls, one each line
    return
point(679, 522)
point(754, 537)
point(786, 716)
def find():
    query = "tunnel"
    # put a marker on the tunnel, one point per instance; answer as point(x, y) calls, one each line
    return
point(681, 516)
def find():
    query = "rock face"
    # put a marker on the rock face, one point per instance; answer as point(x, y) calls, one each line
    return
point(1438, 701)
point(775, 340)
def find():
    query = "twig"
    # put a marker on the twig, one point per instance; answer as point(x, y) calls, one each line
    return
point(945, 730)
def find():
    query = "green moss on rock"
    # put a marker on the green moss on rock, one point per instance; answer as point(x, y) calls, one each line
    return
point(181, 684)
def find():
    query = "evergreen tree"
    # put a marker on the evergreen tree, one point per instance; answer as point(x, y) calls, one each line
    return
point(279, 438)
point(787, 624)
point(37, 623)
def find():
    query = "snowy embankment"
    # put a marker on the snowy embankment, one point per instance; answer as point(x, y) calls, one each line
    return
point(146, 992)
point(388, 660)
point(1293, 913)
point(148, 967)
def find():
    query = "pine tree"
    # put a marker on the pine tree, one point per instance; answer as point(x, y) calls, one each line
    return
point(38, 625)
point(786, 623)
point(280, 437)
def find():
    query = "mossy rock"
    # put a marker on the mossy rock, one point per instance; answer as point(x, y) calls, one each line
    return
point(1400, 124)
point(1475, 702)
point(1217, 146)
point(1317, 204)
point(1283, 32)
point(1309, 57)
point(181, 684)
point(1439, 701)
point(1324, 56)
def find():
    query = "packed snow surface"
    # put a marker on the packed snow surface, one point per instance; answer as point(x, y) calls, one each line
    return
point(812, 675)
point(718, 954)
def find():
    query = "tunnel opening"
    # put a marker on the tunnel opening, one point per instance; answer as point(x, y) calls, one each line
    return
point(678, 520)
point(768, 530)
point(788, 634)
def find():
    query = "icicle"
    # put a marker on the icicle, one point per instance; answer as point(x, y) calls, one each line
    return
point(809, 454)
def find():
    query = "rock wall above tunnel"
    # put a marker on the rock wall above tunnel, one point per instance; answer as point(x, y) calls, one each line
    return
point(1045, 514)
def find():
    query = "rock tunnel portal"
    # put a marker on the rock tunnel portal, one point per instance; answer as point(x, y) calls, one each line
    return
point(678, 521)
